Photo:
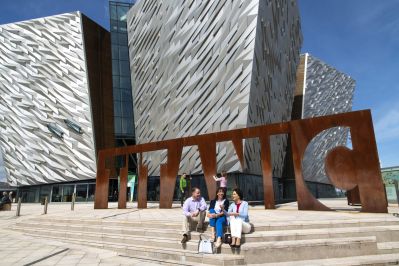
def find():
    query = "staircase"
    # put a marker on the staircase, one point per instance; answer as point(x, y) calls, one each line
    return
point(335, 242)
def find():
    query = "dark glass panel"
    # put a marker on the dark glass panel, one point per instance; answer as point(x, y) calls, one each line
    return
point(127, 124)
point(124, 68)
point(122, 38)
point(117, 108)
point(127, 109)
point(92, 190)
point(117, 94)
point(114, 26)
point(115, 81)
point(113, 14)
point(118, 125)
point(125, 82)
point(126, 95)
point(122, 26)
point(115, 67)
point(123, 52)
point(122, 11)
point(114, 38)
point(115, 52)
point(81, 192)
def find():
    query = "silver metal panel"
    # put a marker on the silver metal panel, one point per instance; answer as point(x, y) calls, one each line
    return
point(43, 81)
point(278, 42)
point(205, 66)
point(327, 91)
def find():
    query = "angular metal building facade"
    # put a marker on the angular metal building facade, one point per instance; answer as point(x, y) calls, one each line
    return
point(322, 90)
point(55, 98)
point(207, 66)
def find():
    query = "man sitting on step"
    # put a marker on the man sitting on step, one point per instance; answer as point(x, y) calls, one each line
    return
point(194, 209)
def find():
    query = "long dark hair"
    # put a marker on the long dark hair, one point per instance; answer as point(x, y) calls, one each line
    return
point(217, 191)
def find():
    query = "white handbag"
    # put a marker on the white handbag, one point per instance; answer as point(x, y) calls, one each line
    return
point(205, 246)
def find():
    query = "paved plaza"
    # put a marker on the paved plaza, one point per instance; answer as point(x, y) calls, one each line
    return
point(19, 248)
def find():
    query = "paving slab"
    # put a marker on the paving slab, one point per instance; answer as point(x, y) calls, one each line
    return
point(22, 249)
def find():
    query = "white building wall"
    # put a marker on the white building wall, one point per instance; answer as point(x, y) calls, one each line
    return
point(193, 70)
point(327, 91)
point(43, 80)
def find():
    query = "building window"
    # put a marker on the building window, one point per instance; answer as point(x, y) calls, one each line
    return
point(57, 131)
point(74, 126)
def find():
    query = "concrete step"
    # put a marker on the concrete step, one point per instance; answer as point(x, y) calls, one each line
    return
point(383, 233)
point(306, 224)
point(110, 222)
point(262, 252)
point(375, 260)
point(155, 254)
point(388, 247)
point(258, 226)
point(256, 252)
point(113, 229)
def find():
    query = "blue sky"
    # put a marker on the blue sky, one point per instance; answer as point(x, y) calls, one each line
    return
point(361, 38)
point(358, 37)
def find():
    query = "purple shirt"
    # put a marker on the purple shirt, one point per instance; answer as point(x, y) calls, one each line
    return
point(191, 205)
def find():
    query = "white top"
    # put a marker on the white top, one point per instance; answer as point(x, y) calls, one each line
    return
point(217, 205)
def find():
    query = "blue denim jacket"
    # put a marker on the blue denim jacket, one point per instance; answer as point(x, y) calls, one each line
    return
point(243, 210)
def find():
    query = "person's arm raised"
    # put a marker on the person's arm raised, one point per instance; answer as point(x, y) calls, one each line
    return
point(217, 178)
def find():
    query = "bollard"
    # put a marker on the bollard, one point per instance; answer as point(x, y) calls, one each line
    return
point(45, 205)
point(18, 207)
point(73, 202)
point(395, 182)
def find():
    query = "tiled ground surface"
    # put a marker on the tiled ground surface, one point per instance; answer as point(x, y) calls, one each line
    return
point(19, 249)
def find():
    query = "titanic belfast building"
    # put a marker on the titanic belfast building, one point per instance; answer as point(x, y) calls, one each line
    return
point(55, 105)
point(183, 68)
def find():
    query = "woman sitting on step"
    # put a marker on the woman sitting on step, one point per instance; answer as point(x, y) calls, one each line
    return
point(216, 216)
point(238, 218)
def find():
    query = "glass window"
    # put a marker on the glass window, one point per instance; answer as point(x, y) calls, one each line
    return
point(122, 38)
point(45, 191)
point(117, 94)
point(117, 108)
point(127, 124)
point(112, 8)
point(115, 52)
point(115, 81)
point(124, 68)
point(67, 191)
point(126, 95)
point(122, 11)
point(129, 128)
point(123, 52)
point(30, 194)
point(114, 38)
point(81, 192)
point(92, 190)
point(56, 196)
point(127, 109)
point(122, 26)
point(115, 68)
point(114, 26)
point(118, 125)
point(125, 82)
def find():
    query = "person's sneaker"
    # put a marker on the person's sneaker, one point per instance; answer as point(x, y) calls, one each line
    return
point(184, 239)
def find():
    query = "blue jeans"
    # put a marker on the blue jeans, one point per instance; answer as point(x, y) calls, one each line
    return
point(218, 223)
